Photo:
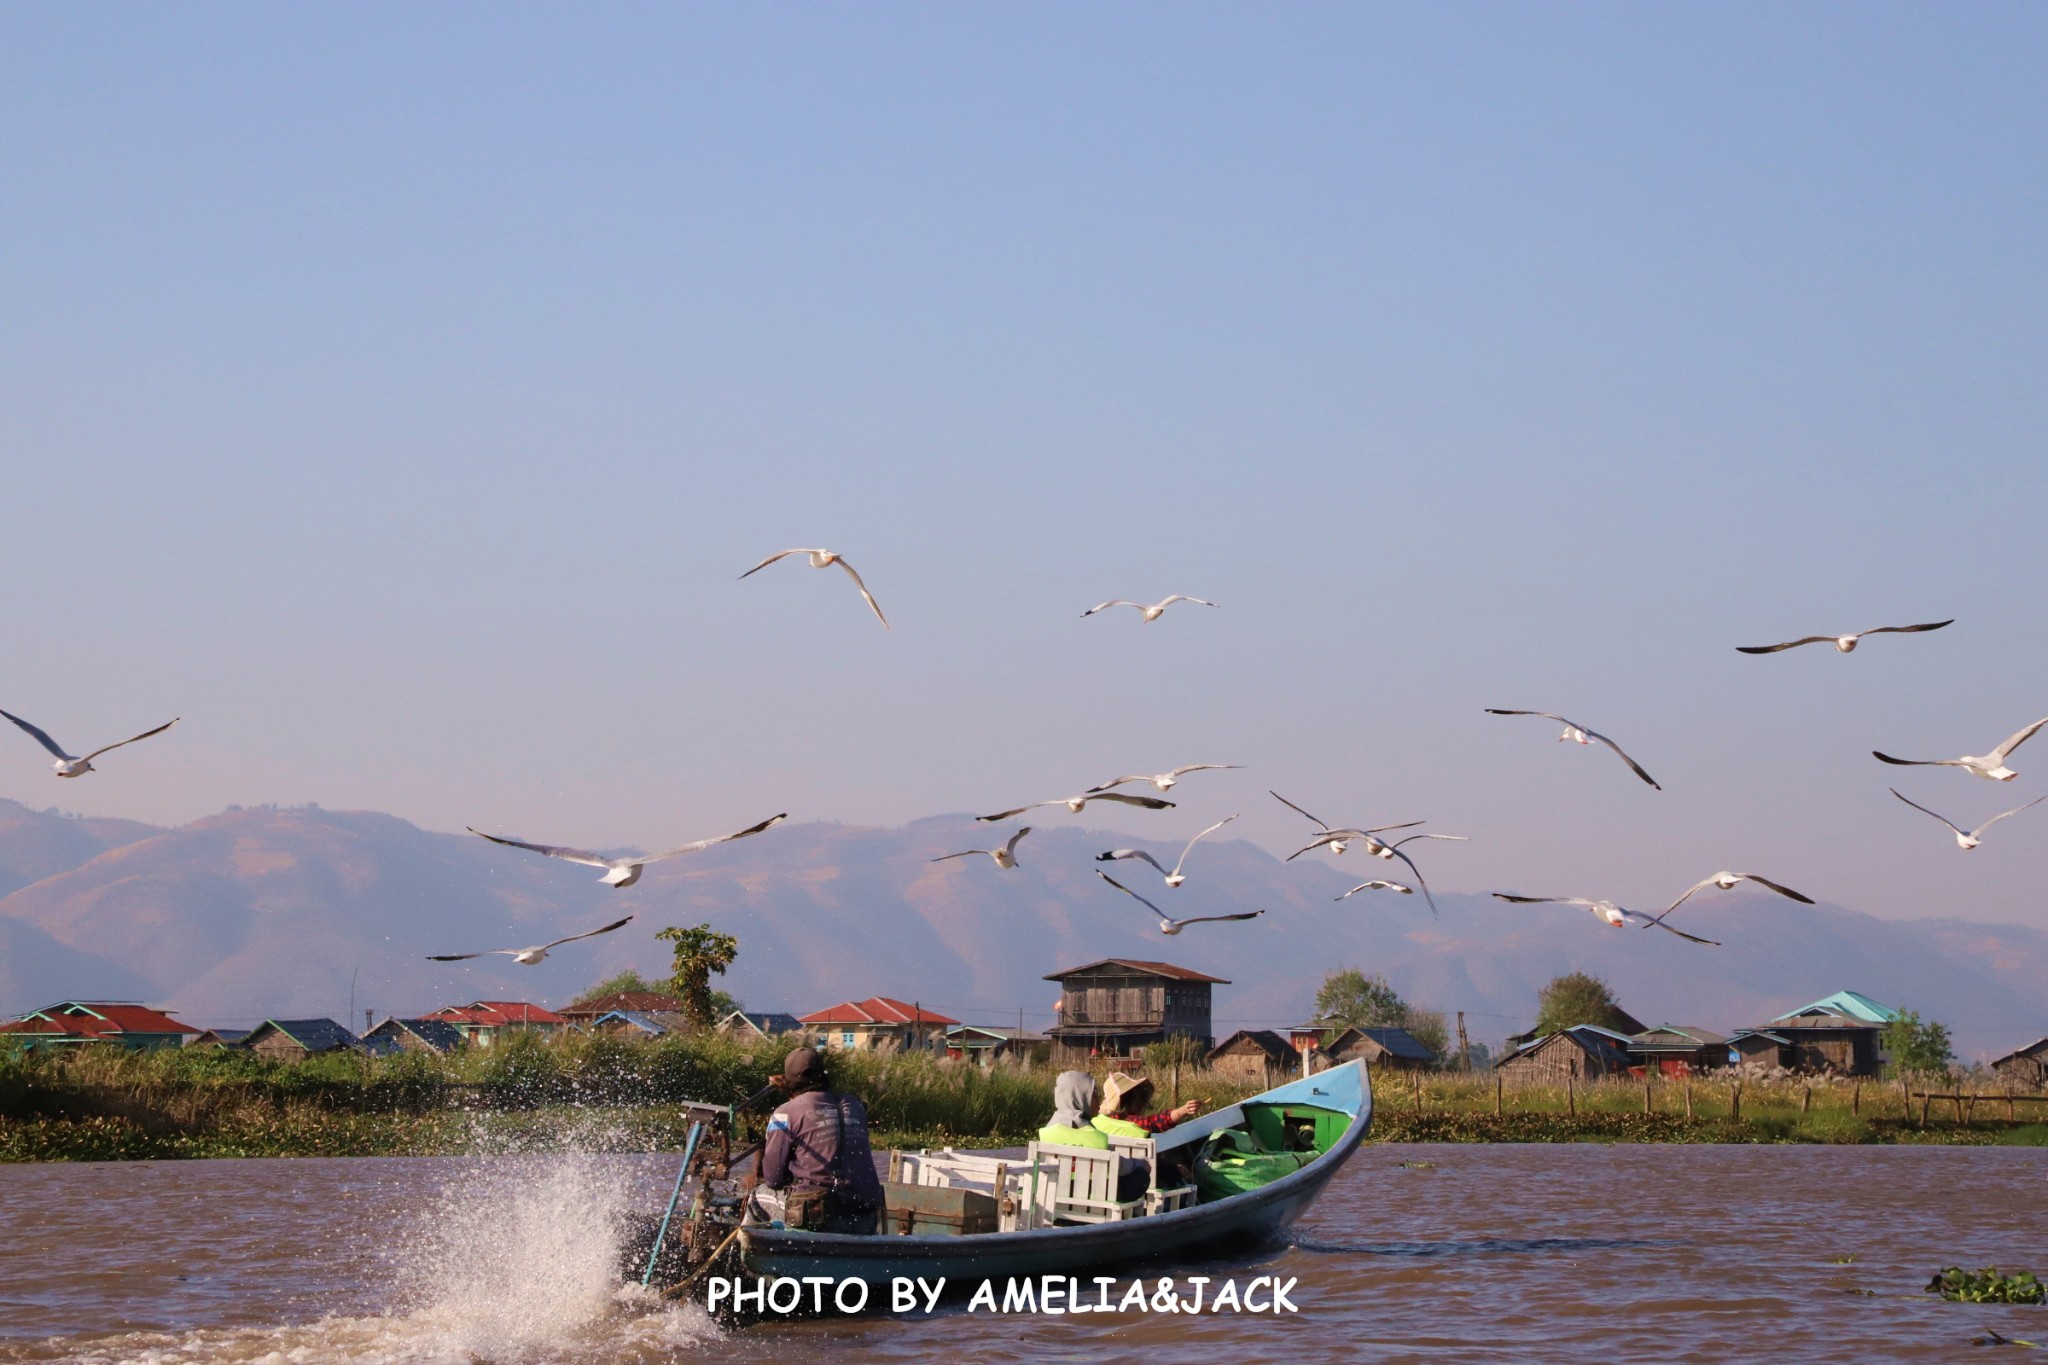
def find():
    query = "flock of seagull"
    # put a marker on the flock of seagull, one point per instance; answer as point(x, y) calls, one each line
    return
point(623, 872)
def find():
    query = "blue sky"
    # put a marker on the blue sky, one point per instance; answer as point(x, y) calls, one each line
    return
point(396, 393)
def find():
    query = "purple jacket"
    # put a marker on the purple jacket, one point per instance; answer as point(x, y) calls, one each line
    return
point(819, 1141)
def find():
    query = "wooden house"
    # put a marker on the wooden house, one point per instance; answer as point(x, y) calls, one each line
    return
point(482, 1022)
point(71, 1023)
point(877, 1024)
point(1255, 1056)
point(2027, 1067)
point(294, 1040)
point(1381, 1047)
point(1117, 1006)
point(1678, 1049)
point(759, 1024)
point(641, 1024)
point(220, 1037)
point(986, 1045)
point(584, 1013)
point(1839, 1035)
point(1759, 1047)
point(412, 1035)
point(1581, 1053)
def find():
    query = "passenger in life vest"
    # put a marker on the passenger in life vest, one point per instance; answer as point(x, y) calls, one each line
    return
point(1073, 1105)
point(817, 1152)
point(1123, 1109)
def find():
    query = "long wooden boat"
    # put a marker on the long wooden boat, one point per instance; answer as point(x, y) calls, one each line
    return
point(1235, 1223)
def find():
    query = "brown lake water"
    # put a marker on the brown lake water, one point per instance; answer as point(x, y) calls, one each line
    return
point(1568, 1253)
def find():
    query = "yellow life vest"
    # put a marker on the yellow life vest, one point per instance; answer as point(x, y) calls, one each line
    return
point(1073, 1137)
point(1122, 1128)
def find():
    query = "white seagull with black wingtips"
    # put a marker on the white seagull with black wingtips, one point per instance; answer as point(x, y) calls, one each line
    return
point(1168, 925)
point(1967, 839)
point(527, 957)
point(70, 765)
point(1173, 878)
point(1989, 766)
point(1579, 734)
point(623, 872)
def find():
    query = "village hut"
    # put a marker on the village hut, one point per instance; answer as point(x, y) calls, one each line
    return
point(1841, 1034)
point(1382, 1048)
point(1254, 1056)
point(1759, 1048)
point(1678, 1050)
point(294, 1040)
point(412, 1035)
point(752, 1024)
point(2027, 1067)
point(1581, 1053)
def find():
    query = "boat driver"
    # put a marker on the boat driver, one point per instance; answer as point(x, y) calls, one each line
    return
point(816, 1153)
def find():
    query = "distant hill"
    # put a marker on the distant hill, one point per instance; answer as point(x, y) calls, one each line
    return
point(35, 844)
point(271, 912)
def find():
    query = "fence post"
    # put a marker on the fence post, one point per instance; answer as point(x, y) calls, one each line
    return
point(1806, 1099)
point(1856, 1099)
point(1571, 1096)
point(1688, 1101)
point(1498, 1090)
point(1417, 1074)
point(1735, 1101)
point(1648, 1108)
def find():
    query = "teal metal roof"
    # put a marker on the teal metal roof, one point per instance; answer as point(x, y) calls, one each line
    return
point(1850, 1003)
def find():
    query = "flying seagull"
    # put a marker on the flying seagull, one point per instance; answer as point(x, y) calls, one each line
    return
point(70, 765)
point(1075, 803)
point(623, 872)
point(1161, 781)
point(1342, 837)
point(1151, 613)
point(1377, 886)
point(1579, 734)
point(1379, 849)
point(1608, 911)
point(1728, 881)
point(1971, 838)
point(528, 956)
point(1844, 643)
point(1006, 856)
point(1168, 925)
point(825, 559)
point(1173, 878)
point(1990, 766)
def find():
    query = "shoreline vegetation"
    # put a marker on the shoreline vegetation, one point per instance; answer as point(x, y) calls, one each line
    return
point(531, 1092)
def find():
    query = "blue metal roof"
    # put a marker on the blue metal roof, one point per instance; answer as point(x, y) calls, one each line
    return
point(314, 1035)
point(1849, 1003)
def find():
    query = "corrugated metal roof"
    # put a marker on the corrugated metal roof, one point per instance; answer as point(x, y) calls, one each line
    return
point(97, 1019)
point(1400, 1042)
point(1679, 1036)
point(876, 1009)
point(2038, 1048)
point(314, 1035)
point(1152, 968)
point(1853, 1004)
point(1265, 1040)
point(437, 1034)
point(497, 1014)
point(765, 1021)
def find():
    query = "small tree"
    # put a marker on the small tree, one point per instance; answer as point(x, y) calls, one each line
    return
point(699, 952)
point(1917, 1048)
point(1427, 1027)
point(619, 984)
point(1350, 998)
point(1577, 999)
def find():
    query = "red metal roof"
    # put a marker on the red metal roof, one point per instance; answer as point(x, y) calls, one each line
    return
point(96, 1019)
point(1155, 968)
point(621, 1000)
point(497, 1014)
point(876, 1009)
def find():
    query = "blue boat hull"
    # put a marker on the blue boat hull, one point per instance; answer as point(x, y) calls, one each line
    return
point(1237, 1223)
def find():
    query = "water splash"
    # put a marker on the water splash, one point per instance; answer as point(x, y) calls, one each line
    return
point(515, 1262)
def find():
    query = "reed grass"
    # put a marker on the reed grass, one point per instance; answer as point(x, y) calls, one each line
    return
point(533, 1091)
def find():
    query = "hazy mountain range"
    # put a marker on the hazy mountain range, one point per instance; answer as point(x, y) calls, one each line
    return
point(272, 912)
